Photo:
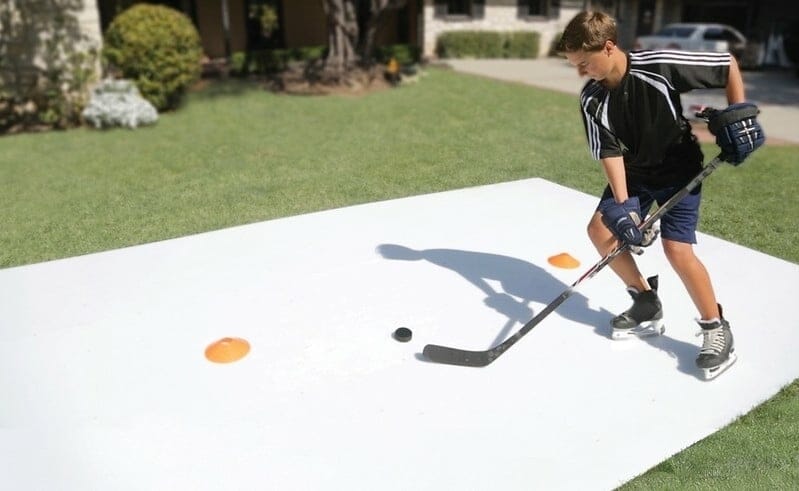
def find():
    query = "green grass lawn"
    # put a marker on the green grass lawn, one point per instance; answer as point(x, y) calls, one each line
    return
point(235, 154)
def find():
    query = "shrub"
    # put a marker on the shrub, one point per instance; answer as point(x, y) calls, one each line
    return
point(487, 44)
point(157, 47)
point(269, 61)
point(521, 44)
point(405, 54)
point(267, 17)
point(469, 44)
point(118, 103)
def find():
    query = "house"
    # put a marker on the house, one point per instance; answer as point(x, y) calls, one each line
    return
point(224, 28)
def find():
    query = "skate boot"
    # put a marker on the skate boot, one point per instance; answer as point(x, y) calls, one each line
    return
point(718, 348)
point(644, 318)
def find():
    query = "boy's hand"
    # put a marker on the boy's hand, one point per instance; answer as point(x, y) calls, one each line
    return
point(737, 131)
point(622, 219)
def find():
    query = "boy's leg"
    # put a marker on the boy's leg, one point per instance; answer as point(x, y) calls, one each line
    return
point(678, 233)
point(645, 317)
point(624, 265)
point(718, 348)
point(694, 276)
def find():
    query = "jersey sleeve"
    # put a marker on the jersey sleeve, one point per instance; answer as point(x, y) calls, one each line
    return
point(690, 71)
point(602, 143)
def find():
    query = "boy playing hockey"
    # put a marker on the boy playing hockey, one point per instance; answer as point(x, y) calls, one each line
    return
point(633, 120)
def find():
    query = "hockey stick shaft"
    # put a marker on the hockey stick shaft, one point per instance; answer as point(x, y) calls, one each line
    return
point(455, 356)
point(654, 217)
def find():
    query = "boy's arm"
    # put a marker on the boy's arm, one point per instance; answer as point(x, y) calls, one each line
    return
point(621, 214)
point(617, 178)
point(735, 83)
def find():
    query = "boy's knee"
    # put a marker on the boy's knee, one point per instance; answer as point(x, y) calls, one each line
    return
point(596, 229)
point(678, 252)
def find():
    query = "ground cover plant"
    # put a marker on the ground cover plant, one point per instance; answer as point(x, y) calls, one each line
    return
point(236, 154)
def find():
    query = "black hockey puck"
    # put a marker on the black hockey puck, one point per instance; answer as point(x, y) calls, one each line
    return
point(403, 334)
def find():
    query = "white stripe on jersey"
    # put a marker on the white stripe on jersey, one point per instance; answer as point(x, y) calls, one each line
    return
point(661, 86)
point(604, 117)
point(680, 58)
point(589, 97)
point(655, 75)
point(593, 134)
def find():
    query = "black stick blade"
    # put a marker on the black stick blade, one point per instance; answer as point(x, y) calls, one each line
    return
point(454, 356)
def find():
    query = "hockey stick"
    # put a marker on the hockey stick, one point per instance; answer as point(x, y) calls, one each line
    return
point(455, 356)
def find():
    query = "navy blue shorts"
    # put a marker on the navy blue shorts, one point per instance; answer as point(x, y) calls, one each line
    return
point(679, 223)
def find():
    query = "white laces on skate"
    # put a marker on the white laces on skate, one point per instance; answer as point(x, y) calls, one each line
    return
point(714, 341)
point(717, 352)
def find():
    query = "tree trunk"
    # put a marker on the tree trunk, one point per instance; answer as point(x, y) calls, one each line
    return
point(380, 10)
point(226, 27)
point(342, 27)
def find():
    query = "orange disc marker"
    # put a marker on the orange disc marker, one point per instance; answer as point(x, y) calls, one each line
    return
point(564, 260)
point(227, 350)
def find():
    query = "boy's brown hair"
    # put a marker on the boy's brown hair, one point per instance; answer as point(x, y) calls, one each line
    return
point(587, 31)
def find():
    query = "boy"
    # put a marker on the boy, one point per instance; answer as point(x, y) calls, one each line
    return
point(633, 119)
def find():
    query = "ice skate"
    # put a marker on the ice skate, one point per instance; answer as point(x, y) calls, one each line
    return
point(644, 318)
point(718, 348)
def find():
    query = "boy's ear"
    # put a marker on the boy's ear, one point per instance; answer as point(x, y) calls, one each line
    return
point(609, 45)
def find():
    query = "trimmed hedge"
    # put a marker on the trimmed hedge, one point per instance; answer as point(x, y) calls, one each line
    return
point(521, 44)
point(488, 44)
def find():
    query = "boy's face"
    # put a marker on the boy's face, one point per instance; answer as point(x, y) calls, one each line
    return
point(594, 64)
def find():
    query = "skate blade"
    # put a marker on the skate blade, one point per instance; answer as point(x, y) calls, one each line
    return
point(644, 330)
point(711, 373)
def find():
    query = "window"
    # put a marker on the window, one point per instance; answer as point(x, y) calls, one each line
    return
point(533, 8)
point(459, 9)
point(676, 32)
point(713, 34)
point(536, 7)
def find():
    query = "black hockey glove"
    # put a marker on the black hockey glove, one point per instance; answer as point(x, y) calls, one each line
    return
point(623, 219)
point(737, 131)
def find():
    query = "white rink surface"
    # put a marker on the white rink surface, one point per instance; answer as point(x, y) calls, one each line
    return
point(105, 385)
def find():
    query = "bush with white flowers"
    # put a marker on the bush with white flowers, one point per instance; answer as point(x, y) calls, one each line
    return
point(118, 103)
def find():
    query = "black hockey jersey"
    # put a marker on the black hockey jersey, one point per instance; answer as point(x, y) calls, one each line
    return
point(641, 119)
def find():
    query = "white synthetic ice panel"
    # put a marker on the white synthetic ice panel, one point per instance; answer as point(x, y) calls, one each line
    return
point(105, 386)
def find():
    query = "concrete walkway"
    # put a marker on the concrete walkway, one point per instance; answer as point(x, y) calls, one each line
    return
point(776, 93)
